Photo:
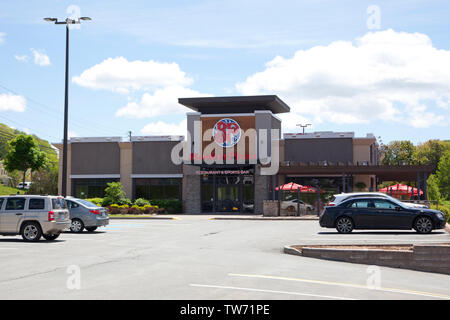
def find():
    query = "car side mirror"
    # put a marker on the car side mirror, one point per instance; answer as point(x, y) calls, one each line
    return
point(398, 208)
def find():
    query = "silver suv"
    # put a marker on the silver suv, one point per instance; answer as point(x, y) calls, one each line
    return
point(33, 217)
point(86, 215)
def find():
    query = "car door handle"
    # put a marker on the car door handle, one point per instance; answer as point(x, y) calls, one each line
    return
point(19, 214)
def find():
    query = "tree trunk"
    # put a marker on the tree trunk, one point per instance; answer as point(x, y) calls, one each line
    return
point(24, 174)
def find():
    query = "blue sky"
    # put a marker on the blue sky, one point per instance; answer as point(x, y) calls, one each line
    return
point(135, 58)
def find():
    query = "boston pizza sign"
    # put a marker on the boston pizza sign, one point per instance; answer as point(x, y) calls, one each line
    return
point(226, 132)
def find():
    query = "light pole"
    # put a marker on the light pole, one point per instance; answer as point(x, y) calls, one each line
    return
point(303, 126)
point(67, 22)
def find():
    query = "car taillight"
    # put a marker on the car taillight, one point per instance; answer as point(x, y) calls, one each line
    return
point(95, 211)
point(331, 204)
point(51, 216)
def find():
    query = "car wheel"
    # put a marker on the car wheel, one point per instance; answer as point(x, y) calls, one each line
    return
point(77, 226)
point(31, 231)
point(51, 237)
point(423, 225)
point(344, 225)
point(91, 229)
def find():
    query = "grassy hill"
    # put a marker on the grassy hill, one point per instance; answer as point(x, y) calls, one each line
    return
point(6, 191)
point(7, 133)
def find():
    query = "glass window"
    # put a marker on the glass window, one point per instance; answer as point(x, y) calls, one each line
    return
point(361, 204)
point(15, 204)
point(90, 188)
point(143, 192)
point(72, 204)
point(1, 202)
point(59, 203)
point(36, 204)
point(158, 188)
point(86, 203)
point(384, 204)
point(207, 197)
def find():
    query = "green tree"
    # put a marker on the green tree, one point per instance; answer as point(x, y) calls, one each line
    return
point(443, 175)
point(431, 152)
point(24, 154)
point(114, 194)
point(398, 152)
point(360, 185)
point(433, 192)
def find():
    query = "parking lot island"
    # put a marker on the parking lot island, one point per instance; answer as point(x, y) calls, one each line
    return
point(420, 257)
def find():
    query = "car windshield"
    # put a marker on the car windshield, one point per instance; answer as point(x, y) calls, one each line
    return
point(87, 203)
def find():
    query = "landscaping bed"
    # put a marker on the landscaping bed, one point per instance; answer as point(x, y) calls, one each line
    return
point(432, 257)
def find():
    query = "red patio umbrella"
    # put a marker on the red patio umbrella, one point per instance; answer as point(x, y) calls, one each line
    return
point(290, 186)
point(400, 189)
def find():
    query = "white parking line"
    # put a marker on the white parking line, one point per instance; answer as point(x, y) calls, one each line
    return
point(351, 285)
point(270, 291)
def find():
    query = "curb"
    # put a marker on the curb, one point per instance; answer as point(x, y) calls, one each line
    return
point(143, 218)
point(266, 218)
point(290, 250)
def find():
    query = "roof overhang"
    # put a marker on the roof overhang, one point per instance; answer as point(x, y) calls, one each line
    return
point(238, 104)
point(383, 172)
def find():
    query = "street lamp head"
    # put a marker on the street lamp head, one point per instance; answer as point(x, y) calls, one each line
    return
point(85, 18)
point(50, 19)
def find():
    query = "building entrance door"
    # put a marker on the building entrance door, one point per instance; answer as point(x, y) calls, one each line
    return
point(227, 190)
point(228, 194)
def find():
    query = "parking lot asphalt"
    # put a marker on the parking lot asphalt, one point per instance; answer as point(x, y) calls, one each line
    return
point(198, 258)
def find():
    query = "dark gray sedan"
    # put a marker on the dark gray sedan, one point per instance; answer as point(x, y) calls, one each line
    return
point(380, 213)
point(86, 215)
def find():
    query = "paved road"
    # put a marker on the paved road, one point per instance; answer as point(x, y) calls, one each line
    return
point(196, 258)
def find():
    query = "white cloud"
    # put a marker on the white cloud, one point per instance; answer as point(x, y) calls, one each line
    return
point(40, 58)
point(10, 102)
point(121, 75)
point(162, 101)
point(382, 75)
point(2, 37)
point(164, 128)
point(22, 58)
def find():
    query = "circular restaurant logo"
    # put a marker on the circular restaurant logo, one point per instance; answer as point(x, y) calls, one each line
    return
point(226, 132)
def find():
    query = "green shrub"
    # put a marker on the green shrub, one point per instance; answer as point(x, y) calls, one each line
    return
point(360, 185)
point(141, 202)
point(114, 194)
point(134, 209)
point(169, 205)
point(444, 209)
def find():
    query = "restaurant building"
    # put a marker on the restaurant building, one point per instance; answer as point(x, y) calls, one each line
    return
point(231, 160)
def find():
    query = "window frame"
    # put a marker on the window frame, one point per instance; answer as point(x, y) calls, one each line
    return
point(29, 203)
point(18, 198)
